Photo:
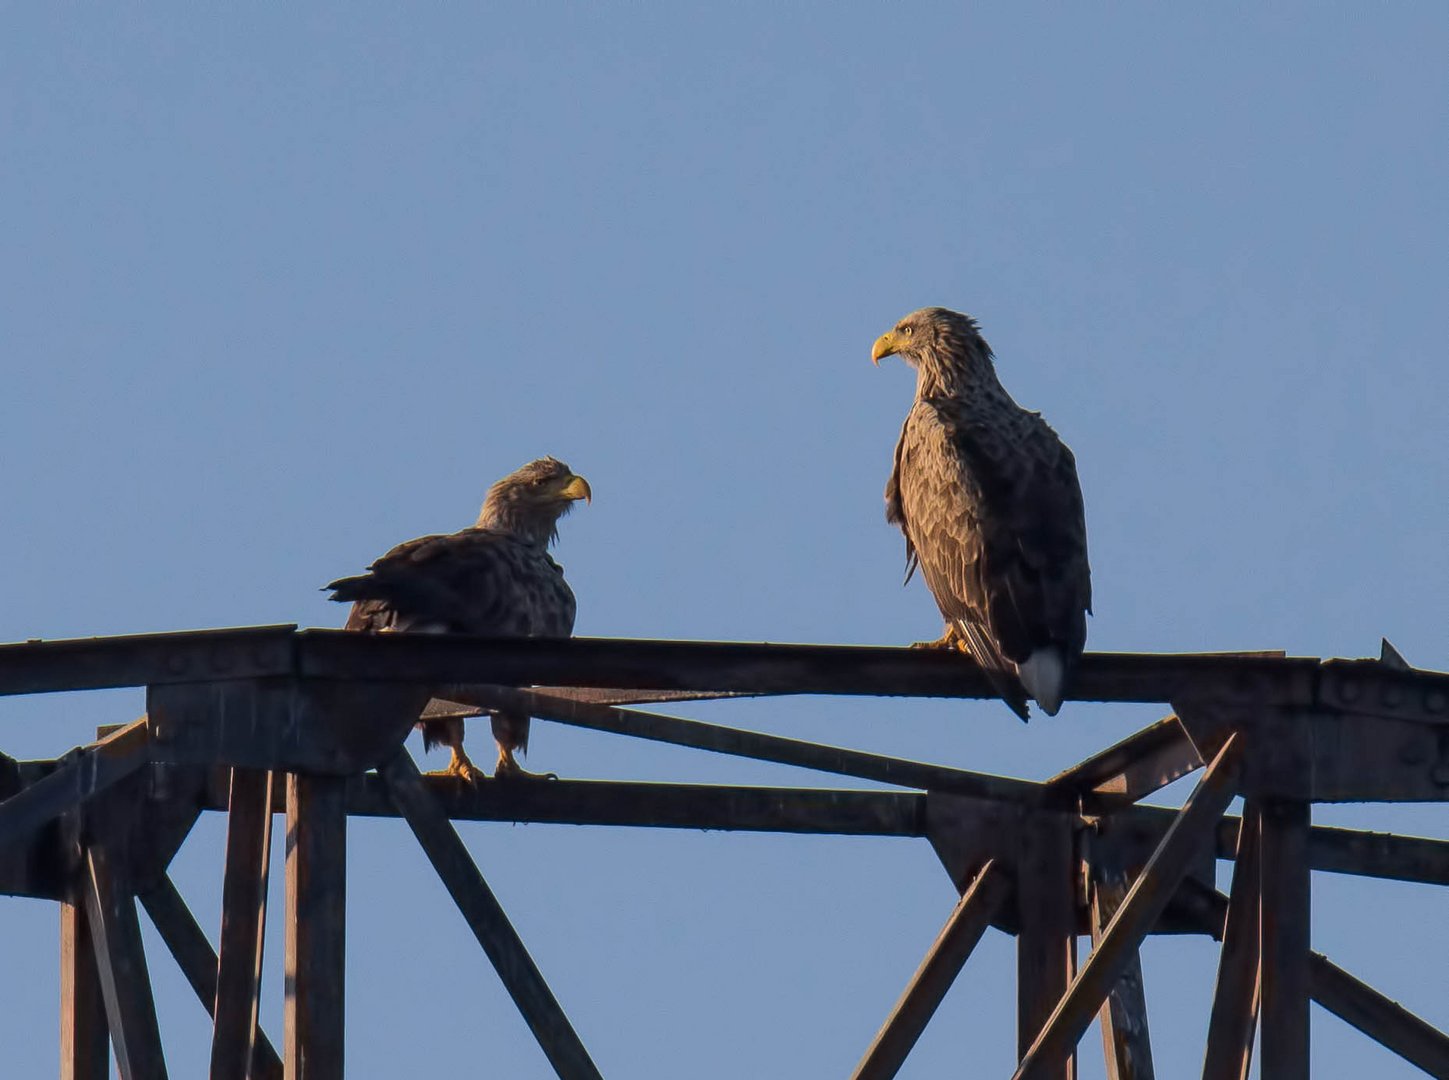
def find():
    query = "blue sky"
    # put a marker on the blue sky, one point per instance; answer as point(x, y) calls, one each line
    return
point(280, 289)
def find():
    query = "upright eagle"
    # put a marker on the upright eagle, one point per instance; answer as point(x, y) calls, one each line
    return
point(988, 499)
point(495, 579)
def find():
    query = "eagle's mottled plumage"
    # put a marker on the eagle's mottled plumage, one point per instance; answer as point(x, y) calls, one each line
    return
point(495, 579)
point(988, 499)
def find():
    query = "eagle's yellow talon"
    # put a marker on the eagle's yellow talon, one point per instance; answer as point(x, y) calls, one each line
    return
point(462, 766)
point(509, 769)
point(951, 639)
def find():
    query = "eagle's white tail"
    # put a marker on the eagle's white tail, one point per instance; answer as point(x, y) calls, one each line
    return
point(1043, 674)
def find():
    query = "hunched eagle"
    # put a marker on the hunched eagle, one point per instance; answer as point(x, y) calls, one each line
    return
point(495, 579)
point(988, 499)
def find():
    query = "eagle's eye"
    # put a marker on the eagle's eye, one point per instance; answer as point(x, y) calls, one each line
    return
point(906, 330)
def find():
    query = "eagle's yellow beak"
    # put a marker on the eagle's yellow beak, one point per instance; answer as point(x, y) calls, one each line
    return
point(885, 345)
point(576, 487)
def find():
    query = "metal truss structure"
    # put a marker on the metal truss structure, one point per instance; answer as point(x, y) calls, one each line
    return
point(268, 720)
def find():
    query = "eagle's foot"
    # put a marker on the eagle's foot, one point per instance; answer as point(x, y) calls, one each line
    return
point(509, 769)
point(951, 639)
point(461, 765)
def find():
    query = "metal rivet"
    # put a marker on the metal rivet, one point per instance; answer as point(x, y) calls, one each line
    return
point(222, 659)
point(177, 662)
point(1391, 694)
point(1434, 701)
point(1349, 690)
point(1440, 773)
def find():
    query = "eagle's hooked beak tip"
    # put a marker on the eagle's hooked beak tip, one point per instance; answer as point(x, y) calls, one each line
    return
point(578, 488)
point(884, 346)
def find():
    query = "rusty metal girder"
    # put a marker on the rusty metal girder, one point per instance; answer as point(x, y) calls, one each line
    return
point(1134, 768)
point(966, 832)
point(762, 668)
point(38, 667)
point(307, 725)
point(1144, 903)
point(1327, 756)
point(1372, 688)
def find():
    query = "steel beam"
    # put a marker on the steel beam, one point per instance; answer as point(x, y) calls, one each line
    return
point(1285, 913)
point(1126, 1039)
point(486, 918)
point(1234, 1017)
point(1141, 909)
point(264, 652)
point(86, 773)
point(1132, 769)
point(315, 921)
point(121, 963)
point(661, 805)
point(1381, 1019)
point(187, 943)
point(1046, 940)
point(943, 962)
point(84, 1051)
point(243, 923)
point(727, 740)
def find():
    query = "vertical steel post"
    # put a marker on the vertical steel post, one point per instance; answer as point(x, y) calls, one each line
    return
point(315, 920)
point(1285, 934)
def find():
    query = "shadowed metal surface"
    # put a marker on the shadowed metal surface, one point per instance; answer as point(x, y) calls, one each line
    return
point(327, 705)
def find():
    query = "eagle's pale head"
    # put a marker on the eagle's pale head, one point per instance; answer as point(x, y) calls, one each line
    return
point(529, 501)
point(930, 330)
point(946, 349)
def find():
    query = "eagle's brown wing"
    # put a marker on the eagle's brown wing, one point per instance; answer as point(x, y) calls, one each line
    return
point(895, 505)
point(477, 581)
point(1029, 584)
